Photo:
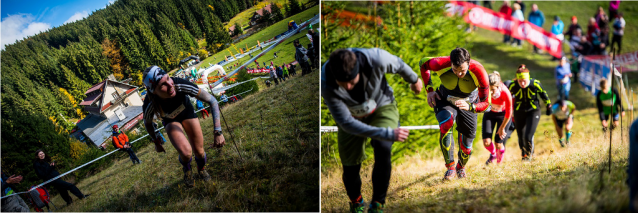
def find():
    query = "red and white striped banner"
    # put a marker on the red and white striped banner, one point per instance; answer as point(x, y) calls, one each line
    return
point(506, 24)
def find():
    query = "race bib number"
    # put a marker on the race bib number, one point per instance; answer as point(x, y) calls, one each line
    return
point(175, 112)
point(608, 102)
point(497, 108)
point(364, 109)
point(561, 115)
point(564, 80)
point(453, 99)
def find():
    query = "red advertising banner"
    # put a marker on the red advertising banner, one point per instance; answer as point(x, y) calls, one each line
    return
point(491, 20)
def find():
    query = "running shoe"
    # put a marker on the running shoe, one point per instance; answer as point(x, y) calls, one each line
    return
point(561, 142)
point(376, 207)
point(358, 206)
point(491, 159)
point(460, 172)
point(204, 175)
point(449, 175)
point(188, 179)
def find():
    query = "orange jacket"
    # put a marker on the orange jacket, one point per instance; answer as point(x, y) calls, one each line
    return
point(119, 139)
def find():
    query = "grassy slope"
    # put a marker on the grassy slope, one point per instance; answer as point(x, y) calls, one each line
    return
point(278, 173)
point(243, 18)
point(558, 180)
point(263, 35)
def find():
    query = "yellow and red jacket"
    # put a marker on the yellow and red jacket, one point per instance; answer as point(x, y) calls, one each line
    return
point(119, 139)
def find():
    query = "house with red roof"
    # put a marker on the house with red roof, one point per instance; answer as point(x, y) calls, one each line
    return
point(254, 20)
point(231, 29)
point(109, 103)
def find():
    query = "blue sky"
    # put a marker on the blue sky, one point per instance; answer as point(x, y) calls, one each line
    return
point(22, 18)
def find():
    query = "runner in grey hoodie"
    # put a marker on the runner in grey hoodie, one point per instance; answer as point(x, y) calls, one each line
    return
point(355, 89)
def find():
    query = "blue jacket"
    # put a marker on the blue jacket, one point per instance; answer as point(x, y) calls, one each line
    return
point(561, 72)
point(557, 29)
point(200, 105)
point(537, 18)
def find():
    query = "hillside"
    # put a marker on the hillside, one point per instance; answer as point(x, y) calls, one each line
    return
point(45, 76)
point(573, 179)
point(275, 131)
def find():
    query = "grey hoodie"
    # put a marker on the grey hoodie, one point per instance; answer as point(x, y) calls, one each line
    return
point(376, 64)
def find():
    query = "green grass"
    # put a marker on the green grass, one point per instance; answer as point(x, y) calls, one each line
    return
point(276, 133)
point(558, 180)
point(243, 18)
point(263, 35)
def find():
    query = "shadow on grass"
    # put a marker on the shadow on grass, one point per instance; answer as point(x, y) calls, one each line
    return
point(557, 190)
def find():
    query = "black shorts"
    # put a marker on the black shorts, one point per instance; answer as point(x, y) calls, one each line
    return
point(561, 123)
point(466, 121)
point(491, 120)
point(187, 113)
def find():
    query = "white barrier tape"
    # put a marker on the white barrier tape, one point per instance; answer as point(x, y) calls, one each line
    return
point(276, 42)
point(335, 128)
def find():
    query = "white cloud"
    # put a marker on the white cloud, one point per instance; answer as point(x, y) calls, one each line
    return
point(111, 2)
point(77, 16)
point(17, 27)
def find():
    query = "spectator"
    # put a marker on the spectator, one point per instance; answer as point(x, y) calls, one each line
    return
point(601, 17)
point(301, 57)
point(619, 31)
point(593, 32)
point(557, 29)
point(292, 70)
point(574, 42)
point(311, 55)
point(522, 4)
point(487, 4)
point(280, 73)
point(200, 106)
point(120, 141)
point(273, 75)
point(45, 170)
point(572, 28)
point(283, 67)
point(613, 8)
point(158, 134)
point(562, 73)
point(315, 46)
point(600, 49)
point(224, 98)
point(537, 18)
point(517, 14)
point(12, 203)
point(585, 47)
point(507, 10)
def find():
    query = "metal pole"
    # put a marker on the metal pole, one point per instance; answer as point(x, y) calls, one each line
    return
point(611, 135)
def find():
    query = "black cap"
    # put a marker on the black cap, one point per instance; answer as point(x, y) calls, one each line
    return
point(556, 18)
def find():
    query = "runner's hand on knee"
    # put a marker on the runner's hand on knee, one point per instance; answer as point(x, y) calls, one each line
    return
point(401, 134)
point(502, 133)
point(431, 98)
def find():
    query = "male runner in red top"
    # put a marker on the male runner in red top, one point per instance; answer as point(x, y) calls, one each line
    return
point(463, 92)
